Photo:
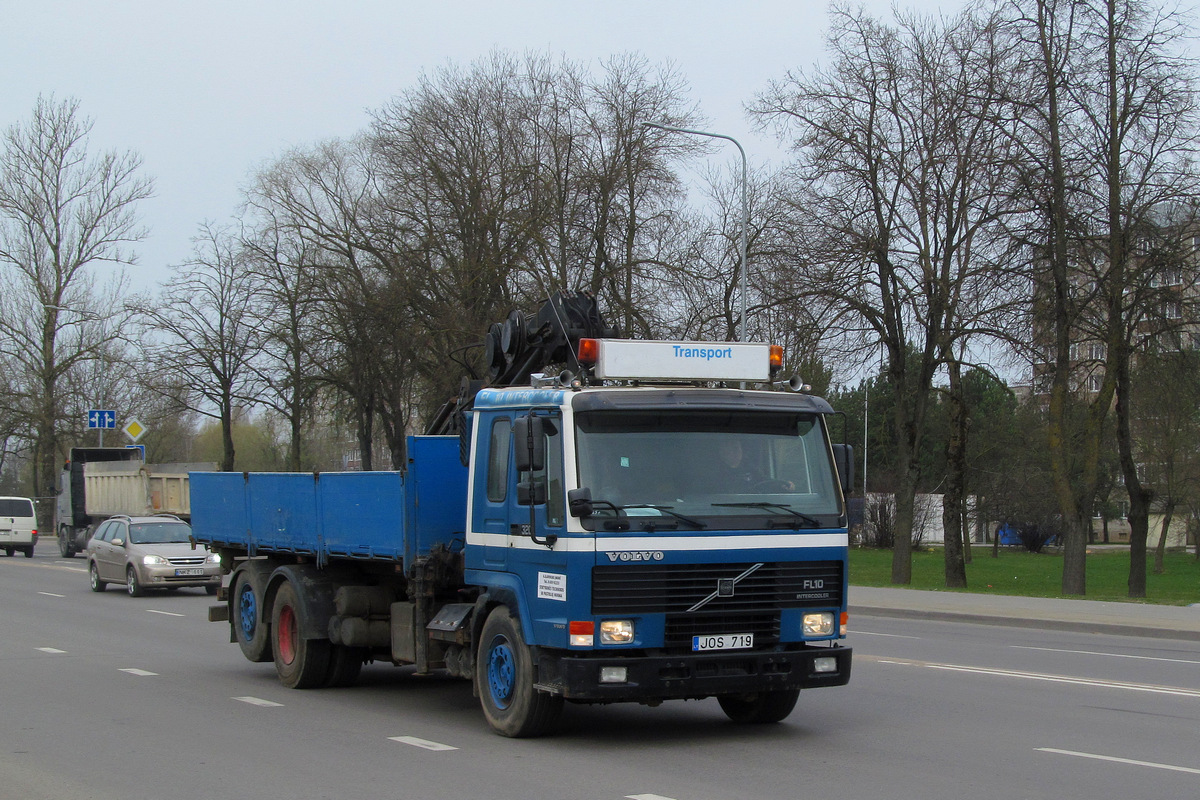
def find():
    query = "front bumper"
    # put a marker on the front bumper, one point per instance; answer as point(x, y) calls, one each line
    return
point(691, 676)
point(162, 576)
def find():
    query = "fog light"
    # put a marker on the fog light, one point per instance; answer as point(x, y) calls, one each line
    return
point(825, 664)
point(616, 631)
point(614, 674)
point(818, 624)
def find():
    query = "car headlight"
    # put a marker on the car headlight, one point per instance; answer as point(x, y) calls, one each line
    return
point(154, 561)
point(820, 624)
point(214, 558)
point(616, 631)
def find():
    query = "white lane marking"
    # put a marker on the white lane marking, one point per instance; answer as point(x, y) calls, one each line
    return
point(857, 632)
point(1038, 676)
point(258, 701)
point(51, 650)
point(139, 672)
point(164, 613)
point(52, 594)
point(422, 743)
point(647, 797)
point(1110, 655)
point(1114, 759)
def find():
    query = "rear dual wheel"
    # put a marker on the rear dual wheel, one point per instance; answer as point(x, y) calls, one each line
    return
point(300, 663)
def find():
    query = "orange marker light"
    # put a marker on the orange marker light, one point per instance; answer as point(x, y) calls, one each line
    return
point(776, 357)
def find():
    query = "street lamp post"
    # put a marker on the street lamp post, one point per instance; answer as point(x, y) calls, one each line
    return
point(741, 332)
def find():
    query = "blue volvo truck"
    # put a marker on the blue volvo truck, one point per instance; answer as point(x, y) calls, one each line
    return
point(661, 522)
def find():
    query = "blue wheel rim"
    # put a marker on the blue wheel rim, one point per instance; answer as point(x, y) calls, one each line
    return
point(247, 611)
point(501, 672)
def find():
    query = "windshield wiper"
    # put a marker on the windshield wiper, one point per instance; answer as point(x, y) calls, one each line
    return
point(650, 524)
point(799, 516)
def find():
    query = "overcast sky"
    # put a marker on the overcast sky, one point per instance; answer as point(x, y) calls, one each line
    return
point(209, 91)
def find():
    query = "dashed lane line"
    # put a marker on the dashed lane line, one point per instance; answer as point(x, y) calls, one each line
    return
point(52, 650)
point(424, 744)
point(1110, 655)
point(141, 673)
point(258, 701)
point(52, 594)
point(164, 613)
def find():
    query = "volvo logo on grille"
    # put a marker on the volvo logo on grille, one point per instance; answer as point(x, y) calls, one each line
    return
point(725, 587)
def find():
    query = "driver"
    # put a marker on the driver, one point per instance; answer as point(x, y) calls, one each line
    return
point(734, 473)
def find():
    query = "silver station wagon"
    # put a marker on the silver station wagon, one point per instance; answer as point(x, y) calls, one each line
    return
point(149, 553)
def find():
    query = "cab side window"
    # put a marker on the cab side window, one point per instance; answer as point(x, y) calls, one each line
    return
point(497, 472)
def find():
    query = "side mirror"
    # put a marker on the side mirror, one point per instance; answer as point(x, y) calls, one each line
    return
point(843, 460)
point(579, 501)
point(118, 542)
point(529, 443)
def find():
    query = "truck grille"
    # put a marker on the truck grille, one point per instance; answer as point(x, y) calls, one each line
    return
point(675, 588)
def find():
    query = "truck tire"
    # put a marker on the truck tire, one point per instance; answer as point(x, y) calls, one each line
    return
point(345, 664)
point(132, 584)
point(759, 707)
point(504, 675)
point(300, 663)
point(94, 577)
point(66, 542)
point(252, 632)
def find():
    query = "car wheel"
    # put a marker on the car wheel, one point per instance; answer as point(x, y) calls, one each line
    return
point(211, 589)
point(252, 632)
point(8, 551)
point(29, 551)
point(759, 707)
point(300, 663)
point(504, 674)
point(94, 576)
point(132, 584)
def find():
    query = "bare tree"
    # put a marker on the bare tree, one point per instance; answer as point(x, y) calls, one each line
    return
point(63, 213)
point(901, 179)
point(202, 334)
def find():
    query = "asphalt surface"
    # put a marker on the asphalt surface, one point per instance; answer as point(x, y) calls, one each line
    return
point(1126, 619)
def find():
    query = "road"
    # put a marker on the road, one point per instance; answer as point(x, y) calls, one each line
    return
point(107, 696)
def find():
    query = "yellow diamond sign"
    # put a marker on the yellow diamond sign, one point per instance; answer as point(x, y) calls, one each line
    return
point(134, 430)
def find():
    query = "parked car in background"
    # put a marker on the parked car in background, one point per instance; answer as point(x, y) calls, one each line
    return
point(153, 552)
point(18, 526)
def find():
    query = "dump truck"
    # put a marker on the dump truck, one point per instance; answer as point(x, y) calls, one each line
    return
point(98, 482)
point(581, 535)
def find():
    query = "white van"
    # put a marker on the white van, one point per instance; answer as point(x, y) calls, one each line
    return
point(18, 525)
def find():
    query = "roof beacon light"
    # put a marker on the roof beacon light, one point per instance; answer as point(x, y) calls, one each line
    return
point(645, 360)
point(589, 352)
point(776, 358)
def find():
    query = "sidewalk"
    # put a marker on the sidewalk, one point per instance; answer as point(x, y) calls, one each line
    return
point(1095, 616)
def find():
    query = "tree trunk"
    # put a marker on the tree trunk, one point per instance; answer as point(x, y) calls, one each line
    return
point(952, 501)
point(1161, 549)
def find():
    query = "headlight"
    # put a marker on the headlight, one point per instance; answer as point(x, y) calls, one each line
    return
point(154, 561)
point(214, 558)
point(818, 624)
point(616, 631)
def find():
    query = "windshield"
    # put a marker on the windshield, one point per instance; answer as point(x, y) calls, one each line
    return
point(707, 468)
point(159, 532)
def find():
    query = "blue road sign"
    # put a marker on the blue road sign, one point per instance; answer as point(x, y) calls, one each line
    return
point(99, 418)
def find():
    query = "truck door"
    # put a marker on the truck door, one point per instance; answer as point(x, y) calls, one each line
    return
point(542, 567)
point(494, 488)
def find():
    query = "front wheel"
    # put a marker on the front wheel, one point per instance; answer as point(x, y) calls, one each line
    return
point(300, 663)
point(504, 674)
point(132, 584)
point(759, 707)
point(66, 542)
point(94, 577)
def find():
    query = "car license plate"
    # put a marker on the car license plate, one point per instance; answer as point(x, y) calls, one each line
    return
point(184, 573)
point(725, 641)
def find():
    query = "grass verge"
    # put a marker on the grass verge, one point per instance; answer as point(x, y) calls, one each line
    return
point(1027, 574)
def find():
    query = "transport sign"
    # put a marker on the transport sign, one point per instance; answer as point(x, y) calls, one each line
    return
point(627, 359)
